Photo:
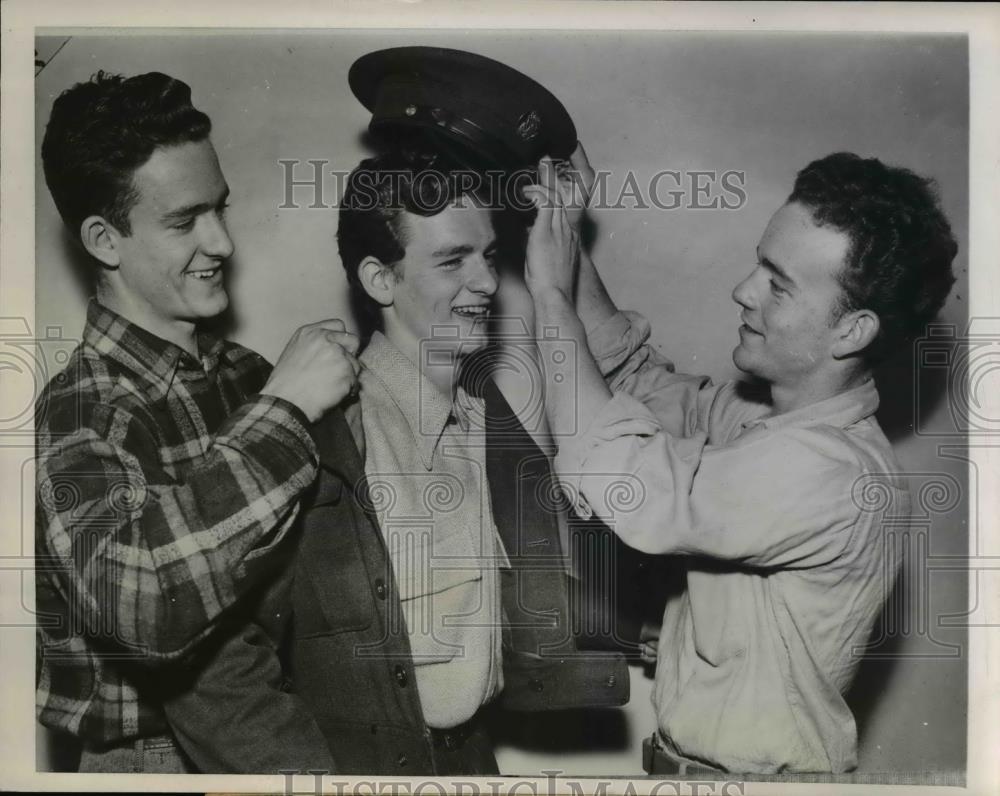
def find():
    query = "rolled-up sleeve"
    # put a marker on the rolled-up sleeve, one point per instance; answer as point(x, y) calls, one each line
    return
point(682, 403)
point(774, 498)
point(615, 343)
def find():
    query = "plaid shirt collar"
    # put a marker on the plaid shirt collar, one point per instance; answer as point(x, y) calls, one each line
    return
point(153, 361)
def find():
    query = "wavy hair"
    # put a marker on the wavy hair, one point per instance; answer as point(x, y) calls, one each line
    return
point(899, 263)
point(102, 130)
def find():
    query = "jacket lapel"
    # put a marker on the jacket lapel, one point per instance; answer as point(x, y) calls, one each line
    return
point(342, 549)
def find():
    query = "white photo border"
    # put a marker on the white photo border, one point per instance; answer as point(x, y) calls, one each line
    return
point(22, 21)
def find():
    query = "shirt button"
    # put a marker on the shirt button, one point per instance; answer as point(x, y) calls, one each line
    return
point(401, 761)
point(536, 685)
point(401, 677)
point(610, 682)
point(380, 588)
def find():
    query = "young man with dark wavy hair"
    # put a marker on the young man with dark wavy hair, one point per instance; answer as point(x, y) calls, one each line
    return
point(763, 498)
point(170, 462)
point(461, 555)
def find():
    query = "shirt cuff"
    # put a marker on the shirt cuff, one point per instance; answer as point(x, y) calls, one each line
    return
point(621, 416)
point(612, 342)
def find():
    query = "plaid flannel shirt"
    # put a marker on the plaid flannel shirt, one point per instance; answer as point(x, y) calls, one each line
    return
point(163, 482)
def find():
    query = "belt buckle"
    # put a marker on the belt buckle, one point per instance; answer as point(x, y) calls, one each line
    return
point(445, 738)
point(158, 742)
point(454, 737)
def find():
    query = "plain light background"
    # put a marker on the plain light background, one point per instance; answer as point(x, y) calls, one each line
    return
point(762, 104)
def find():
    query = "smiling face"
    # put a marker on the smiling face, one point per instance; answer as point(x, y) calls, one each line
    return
point(789, 300)
point(169, 272)
point(443, 287)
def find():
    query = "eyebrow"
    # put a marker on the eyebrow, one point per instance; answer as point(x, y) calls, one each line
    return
point(774, 268)
point(195, 209)
point(462, 250)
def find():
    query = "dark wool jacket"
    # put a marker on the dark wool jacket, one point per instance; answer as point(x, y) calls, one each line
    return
point(345, 699)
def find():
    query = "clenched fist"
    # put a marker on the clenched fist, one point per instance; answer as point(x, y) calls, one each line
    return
point(317, 369)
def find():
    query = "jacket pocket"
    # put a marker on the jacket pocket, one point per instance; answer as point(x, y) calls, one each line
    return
point(333, 591)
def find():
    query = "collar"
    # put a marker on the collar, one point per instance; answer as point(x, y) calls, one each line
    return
point(151, 360)
point(841, 410)
point(426, 410)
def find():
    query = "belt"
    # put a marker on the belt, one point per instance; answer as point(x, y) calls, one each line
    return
point(454, 737)
point(657, 759)
point(149, 742)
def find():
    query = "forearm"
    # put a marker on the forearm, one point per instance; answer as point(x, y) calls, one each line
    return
point(617, 340)
point(148, 560)
point(568, 400)
point(593, 304)
point(775, 500)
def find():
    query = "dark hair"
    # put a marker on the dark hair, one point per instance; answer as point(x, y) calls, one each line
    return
point(102, 130)
point(901, 246)
point(378, 191)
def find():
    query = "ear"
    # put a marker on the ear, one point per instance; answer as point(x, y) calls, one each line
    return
point(378, 280)
point(856, 331)
point(100, 239)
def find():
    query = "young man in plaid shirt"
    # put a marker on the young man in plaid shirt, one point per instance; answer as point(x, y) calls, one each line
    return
point(170, 462)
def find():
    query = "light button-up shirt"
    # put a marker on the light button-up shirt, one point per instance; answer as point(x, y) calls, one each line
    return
point(788, 561)
point(426, 471)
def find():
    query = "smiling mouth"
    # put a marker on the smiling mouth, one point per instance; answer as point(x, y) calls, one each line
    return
point(472, 310)
point(207, 274)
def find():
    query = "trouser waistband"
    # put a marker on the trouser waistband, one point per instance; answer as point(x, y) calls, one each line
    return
point(157, 754)
point(455, 737)
point(657, 759)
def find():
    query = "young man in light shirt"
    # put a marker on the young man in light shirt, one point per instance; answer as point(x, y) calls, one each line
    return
point(471, 554)
point(787, 569)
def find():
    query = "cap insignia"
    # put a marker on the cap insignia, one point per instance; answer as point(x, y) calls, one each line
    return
point(529, 125)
